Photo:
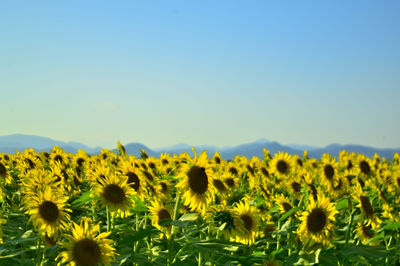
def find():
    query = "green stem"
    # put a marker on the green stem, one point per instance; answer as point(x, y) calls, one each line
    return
point(278, 237)
point(38, 251)
point(108, 219)
point(348, 234)
point(173, 229)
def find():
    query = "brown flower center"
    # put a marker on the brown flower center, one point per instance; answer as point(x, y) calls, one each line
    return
point(163, 214)
point(295, 186)
point(219, 185)
point(48, 210)
point(3, 170)
point(248, 221)
point(282, 166)
point(133, 180)
point(329, 171)
point(86, 252)
point(316, 220)
point(230, 182)
point(114, 194)
point(366, 205)
point(364, 167)
point(198, 180)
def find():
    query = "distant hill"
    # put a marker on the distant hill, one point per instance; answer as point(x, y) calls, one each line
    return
point(20, 142)
point(11, 143)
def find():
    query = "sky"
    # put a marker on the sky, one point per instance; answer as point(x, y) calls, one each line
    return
point(201, 72)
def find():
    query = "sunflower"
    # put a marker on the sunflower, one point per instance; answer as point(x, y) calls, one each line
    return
point(27, 161)
point(365, 232)
point(57, 154)
point(197, 183)
point(5, 176)
point(233, 169)
point(225, 220)
point(159, 212)
point(127, 169)
point(365, 166)
point(317, 222)
point(121, 149)
point(283, 203)
point(328, 171)
point(366, 207)
point(248, 218)
point(86, 246)
point(48, 211)
point(116, 194)
point(281, 165)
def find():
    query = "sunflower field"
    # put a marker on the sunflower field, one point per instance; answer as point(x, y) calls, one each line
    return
point(59, 208)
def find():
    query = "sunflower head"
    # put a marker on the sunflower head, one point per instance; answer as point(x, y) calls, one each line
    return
point(317, 222)
point(248, 219)
point(116, 194)
point(86, 246)
point(197, 183)
point(281, 165)
point(48, 210)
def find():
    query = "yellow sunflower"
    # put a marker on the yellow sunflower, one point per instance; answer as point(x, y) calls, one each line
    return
point(248, 218)
point(48, 211)
point(116, 194)
point(5, 176)
point(225, 220)
point(317, 222)
point(328, 171)
point(365, 166)
point(281, 165)
point(197, 183)
point(57, 154)
point(159, 212)
point(365, 232)
point(366, 207)
point(86, 246)
point(283, 203)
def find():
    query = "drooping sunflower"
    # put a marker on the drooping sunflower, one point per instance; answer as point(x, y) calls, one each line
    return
point(328, 171)
point(86, 246)
point(196, 184)
point(281, 165)
point(248, 217)
point(115, 194)
point(365, 232)
point(365, 166)
point(366, 207)
point(225, 220)
point(57, 154)
point(283, 203)
point(127, 168)
point(317, 222)
point(5, 176)
point(48, 211)
point(159, 212)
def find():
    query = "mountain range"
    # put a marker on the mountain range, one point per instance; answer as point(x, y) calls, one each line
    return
point(11, 143)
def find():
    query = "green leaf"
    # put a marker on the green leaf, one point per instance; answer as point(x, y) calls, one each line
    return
point(139, 205)
point(290, 212)
point(138, 235)
point(392, 226)
point(189, 217)
point(342, 204)
point(372, 253)
point(83, 199)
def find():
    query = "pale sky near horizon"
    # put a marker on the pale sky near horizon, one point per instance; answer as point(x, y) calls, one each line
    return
point(201, 72)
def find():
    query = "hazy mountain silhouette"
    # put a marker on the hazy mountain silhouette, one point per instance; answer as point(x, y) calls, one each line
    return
point(20, 142)
point(11, 143)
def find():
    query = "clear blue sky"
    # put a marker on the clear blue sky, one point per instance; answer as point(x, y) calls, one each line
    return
point(201, 72)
